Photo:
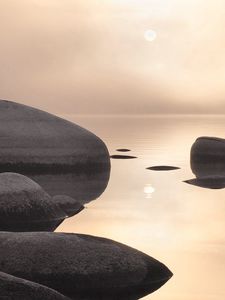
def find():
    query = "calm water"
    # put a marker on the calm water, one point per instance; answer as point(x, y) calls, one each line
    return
point(179, 224)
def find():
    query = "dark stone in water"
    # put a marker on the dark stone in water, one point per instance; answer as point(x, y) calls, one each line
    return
point(162, 168)
point(25, 206)
point(122, 156)
point(81, 266)
point(215, 182)
point(208, 163)
point(208, 157)
point(123, 150)
point(14, 288)
point(36, 141)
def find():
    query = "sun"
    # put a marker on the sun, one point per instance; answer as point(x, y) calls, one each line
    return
point(150, 35)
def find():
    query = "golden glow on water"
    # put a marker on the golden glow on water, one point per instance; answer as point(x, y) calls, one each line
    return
point(156, 212)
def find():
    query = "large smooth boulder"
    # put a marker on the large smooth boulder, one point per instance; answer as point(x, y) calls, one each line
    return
point(34, 140)
point(25, 206)
point(81, 266)
point(14, 288)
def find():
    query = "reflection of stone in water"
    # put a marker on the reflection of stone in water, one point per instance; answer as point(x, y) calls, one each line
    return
point(148, 191)
point(215, 182)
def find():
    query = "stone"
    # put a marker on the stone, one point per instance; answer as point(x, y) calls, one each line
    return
point(14, 288)
point(116, 156)
point(81, 266)
point(123, 150)
point(208, 157)
point(36, 141)
point(207, 161)
point(162, 168)
point(25, 206)
point(69, 205)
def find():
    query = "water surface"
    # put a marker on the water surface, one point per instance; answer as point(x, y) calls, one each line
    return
point(156, 212)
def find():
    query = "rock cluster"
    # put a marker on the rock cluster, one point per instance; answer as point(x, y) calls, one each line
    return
point(35, 264)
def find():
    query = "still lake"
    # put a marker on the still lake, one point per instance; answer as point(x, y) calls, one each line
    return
point(181, 225)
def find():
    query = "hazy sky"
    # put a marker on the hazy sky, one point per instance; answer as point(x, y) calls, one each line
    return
point(89, 56)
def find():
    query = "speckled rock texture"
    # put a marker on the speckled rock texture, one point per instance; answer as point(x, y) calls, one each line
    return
point(34, 140)
point(25, 206)
point(81, 266)
point(14, 288)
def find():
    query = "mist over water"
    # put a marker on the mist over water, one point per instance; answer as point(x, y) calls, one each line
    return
point(156, 212)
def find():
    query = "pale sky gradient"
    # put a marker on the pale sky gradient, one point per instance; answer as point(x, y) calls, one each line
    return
point(76, 56)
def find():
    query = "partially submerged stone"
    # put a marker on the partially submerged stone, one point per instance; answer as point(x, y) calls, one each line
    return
point(25, 206)
point(123, 150)
point(81, 266)
point(208, 157)
point(34, 140)
point(14, 288)
point(208, 163)
point(162, 168)
point(116, 156)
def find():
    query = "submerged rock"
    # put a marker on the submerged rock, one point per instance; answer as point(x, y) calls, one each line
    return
point(81, 266)
point(123, 150)
point(34, 140)
point(116, 156)
point(25, 206)
point(162, 168)
point(14, 288)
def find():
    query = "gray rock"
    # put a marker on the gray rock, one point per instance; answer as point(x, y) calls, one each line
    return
point(208, 163)
point(70, 206)
point(33, 140)
point(25, 206)
point(14, 288)
point(81, 266)
point(208, 157)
